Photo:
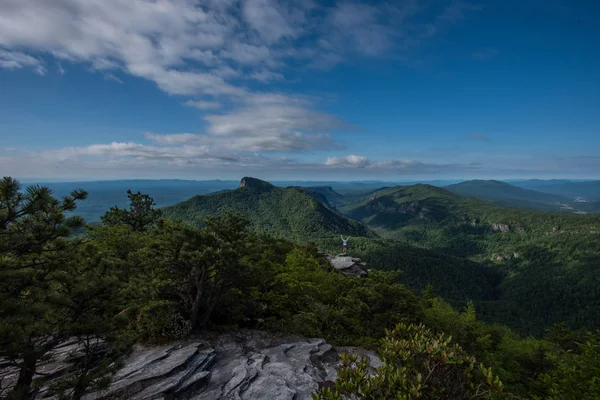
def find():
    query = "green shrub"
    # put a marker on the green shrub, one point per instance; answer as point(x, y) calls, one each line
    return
point(161, 321)
point(418, 364)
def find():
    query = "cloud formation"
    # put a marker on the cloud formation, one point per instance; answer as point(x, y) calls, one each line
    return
point(348, 161)
point(221, 56)
point(17, 59)
point(194, 41)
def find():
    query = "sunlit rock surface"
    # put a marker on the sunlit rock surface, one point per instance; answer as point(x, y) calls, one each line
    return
point(241, 365)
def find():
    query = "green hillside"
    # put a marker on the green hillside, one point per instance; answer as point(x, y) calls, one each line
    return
point(289, 212)
point(549, 262)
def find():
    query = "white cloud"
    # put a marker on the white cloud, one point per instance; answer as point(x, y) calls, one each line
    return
point(348, 161)
point(17, 60)
point(268, 19)
point(244, 53)
point(267, 118)
point(112, 77)
point(203, 105)
point(267, 76)
point(168, 41)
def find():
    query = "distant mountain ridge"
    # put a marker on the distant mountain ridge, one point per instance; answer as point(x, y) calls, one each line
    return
point(399, 206)
point(590, 190)
point(507, 195)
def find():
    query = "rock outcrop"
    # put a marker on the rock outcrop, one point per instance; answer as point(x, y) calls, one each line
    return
point(349, 266)
point(501, 227)
point(507, 228)
point(248, 182)
point(241, 365)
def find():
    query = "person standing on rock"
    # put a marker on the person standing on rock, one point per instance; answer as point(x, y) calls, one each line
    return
point(344, 244)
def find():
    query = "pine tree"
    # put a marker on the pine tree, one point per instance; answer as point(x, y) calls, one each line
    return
point(53, 286)
point(141, 213)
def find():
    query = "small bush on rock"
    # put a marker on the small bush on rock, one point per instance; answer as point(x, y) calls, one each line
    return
point(418, 364)
point(161, 321)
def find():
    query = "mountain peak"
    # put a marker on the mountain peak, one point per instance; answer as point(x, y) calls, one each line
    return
point(248, 182)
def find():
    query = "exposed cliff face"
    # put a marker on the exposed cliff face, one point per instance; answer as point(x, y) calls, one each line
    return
point(507, 228)
point(248, 182)
point(501, 227)
point(241, 365)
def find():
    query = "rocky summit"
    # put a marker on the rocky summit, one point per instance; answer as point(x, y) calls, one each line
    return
point(349, 266)
point(241, 365)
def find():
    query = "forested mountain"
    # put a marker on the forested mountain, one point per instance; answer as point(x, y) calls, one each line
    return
point(137, 277)
point(515, 264)
point(305, 215)
point(507, 195)
point(549, 261)
point(288, 212)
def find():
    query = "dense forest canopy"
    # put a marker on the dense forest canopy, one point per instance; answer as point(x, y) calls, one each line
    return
point(140, 277)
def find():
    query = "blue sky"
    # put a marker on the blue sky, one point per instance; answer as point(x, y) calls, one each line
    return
point(203, 89)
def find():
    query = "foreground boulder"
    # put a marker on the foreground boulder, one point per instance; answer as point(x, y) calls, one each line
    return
point(241, 365)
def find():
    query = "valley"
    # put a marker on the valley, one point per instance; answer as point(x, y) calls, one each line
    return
point(523, 268)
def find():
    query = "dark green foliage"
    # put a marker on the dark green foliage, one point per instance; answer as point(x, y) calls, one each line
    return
point(160, 321)
point(202, 265)
point(300, 294)
point(576, 371)
point(141, 213)
point(418, 364)
point(51, 287)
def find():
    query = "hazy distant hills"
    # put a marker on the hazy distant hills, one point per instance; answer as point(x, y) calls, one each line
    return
point(104, 194)
point(507, 195)
point(576, 196)
point(588, 190)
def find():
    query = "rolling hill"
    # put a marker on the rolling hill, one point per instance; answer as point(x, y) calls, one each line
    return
point(289, 212)
point(544, 258)
point(507, 195)
point(586, 190)
point(403, 206)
